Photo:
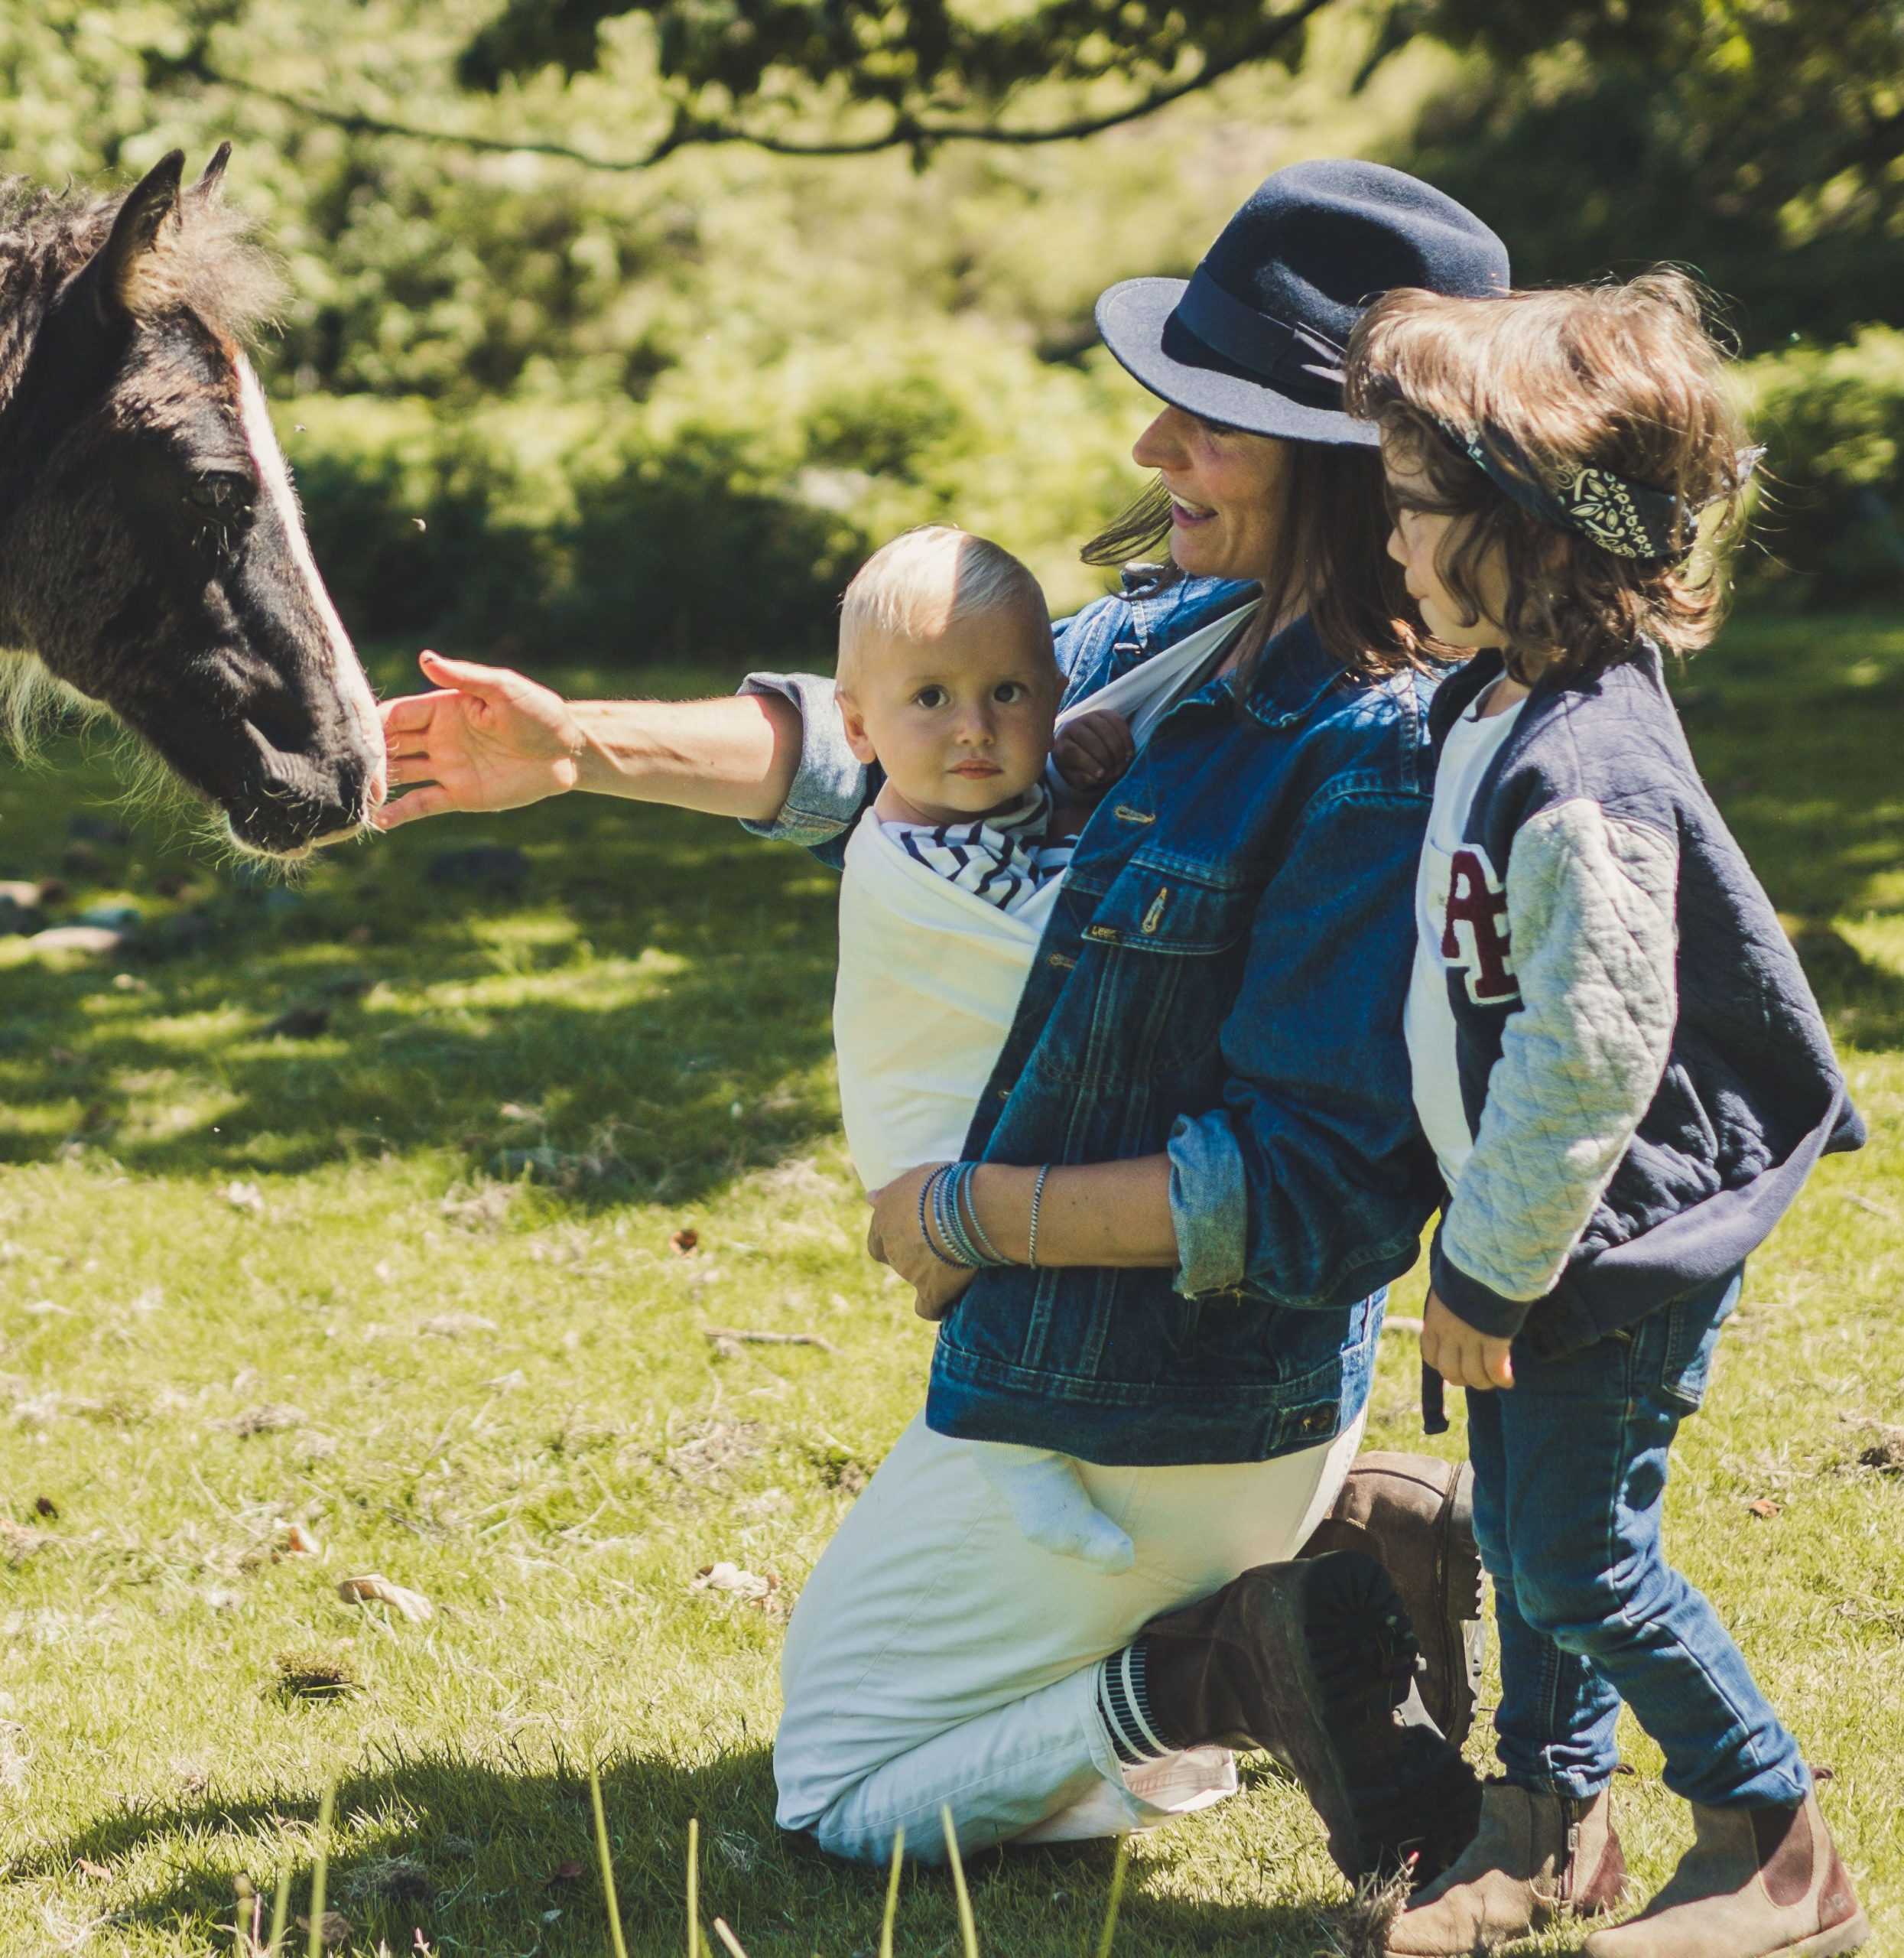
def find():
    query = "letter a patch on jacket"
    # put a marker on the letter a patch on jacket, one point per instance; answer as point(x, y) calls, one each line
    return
point(1475, 936)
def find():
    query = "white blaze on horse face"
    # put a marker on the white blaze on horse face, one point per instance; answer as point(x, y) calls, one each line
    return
point(275, 479)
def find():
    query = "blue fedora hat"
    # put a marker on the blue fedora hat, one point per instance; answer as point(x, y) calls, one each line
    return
point(1255, 338)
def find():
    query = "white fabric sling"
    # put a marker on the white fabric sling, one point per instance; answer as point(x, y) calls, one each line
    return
point(929, 980)
point(930, 977)
point(1152, 688)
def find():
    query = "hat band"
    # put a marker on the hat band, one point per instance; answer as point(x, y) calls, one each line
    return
point(1297, 361)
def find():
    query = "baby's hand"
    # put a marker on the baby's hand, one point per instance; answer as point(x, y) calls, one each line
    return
point(1093, 750)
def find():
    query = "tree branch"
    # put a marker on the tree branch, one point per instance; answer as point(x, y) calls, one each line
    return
point(906, 131)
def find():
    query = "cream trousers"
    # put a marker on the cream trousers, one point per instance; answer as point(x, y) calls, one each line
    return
point(936, 1656)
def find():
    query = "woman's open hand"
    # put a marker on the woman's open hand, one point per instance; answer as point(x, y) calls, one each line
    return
point(489, 739)
point(894, 1238)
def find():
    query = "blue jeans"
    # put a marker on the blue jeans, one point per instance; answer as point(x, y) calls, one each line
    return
point(1570, 1472)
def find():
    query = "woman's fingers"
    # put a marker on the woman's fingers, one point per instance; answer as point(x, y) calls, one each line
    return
point(466, 676)
point(432, 800)
point(411, 714)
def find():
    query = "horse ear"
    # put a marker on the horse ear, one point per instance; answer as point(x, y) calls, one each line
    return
point(148, 205)
point(207, 186)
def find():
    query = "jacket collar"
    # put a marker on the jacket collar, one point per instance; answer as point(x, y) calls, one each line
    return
point(1458, 692)
point(1289, 676)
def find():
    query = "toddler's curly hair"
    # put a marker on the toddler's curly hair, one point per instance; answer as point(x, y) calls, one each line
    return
point(1623, 377)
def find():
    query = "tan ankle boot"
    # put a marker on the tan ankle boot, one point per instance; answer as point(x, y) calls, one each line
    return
point(1536, 1856)
point(1415, 1515)
point(1757, 1883)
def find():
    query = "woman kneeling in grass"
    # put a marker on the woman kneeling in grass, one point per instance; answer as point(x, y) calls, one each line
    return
point(1203, 1105)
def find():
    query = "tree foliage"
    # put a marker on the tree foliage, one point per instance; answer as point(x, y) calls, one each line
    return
point(1760, 141)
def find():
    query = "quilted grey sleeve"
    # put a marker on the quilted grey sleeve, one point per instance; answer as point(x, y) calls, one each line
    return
point(1592, 931)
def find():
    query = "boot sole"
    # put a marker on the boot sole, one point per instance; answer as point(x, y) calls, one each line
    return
point(1462, 1634)
point(1847, 1936)
point(1389, 1796)
point(1833, 1943)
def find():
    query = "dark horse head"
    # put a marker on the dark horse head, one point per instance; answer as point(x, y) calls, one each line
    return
point(151, 553)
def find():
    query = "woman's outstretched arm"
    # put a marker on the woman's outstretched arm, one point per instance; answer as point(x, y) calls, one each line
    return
point(488, 738)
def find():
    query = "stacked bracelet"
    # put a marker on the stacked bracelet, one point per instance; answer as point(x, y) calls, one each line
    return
point(945, 1196)
point(1037, 1197)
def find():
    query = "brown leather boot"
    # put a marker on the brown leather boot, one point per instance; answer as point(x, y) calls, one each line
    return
point(1415, 1515)
point(1536, 1856)
point(1757, 1882)
point(1314, 1661)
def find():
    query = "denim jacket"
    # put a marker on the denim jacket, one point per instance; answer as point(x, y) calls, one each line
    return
point(1223, 979)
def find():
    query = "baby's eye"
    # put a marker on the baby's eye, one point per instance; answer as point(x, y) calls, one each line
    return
point(1008, 693)
point(930, 697)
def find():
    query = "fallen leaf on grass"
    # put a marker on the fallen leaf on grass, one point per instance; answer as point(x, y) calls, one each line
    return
point(684, 1242)
point(45, 1506)
point(728, 1335)
point(313, 1673)
point(1886, 1448)
point(391, 1880)
point(375, 1589)
point(300, 1543)
point(244, 1196)
point(567, 1872)
point(85, 1866)
point(334, 1929)
point(456, 1325)
point(755, 1590)
point(1763, 1506)
point(18, 1543)
point(269, 1419)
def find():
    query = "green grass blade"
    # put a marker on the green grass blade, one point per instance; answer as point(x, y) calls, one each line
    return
point(608, 1866)
point(968, 1930)
point(1116, 1897)
point(892, 1896)
point(693, 1887)
point(320, 1870)
point(280, 1905)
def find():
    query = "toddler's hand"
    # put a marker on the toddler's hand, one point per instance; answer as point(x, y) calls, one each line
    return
point(1462, 1356)
point(1093, 750)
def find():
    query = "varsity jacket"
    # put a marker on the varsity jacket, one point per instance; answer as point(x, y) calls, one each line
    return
point(1645, 1073)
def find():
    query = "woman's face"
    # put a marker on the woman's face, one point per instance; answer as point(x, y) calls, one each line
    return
point(1225, 493)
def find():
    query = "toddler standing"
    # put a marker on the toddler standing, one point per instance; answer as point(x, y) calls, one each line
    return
point(1621, 1067)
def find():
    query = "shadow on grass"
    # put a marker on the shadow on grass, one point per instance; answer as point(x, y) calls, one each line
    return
point(481, 1861)
point(647, 1010)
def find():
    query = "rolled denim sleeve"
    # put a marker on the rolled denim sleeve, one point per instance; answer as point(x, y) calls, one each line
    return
point(833, 785)
point(1209, 1205)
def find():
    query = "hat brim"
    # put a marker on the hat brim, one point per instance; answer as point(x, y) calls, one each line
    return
point(1134, 320)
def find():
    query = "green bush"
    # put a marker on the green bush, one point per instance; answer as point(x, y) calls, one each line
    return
point(719, 517)
point(1829, 526)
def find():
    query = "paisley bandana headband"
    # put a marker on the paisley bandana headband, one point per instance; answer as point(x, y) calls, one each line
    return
point(1629, 518)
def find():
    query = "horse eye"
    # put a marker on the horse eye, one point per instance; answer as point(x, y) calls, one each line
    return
point(220, 492)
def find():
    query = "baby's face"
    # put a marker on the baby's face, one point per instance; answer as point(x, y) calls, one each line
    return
point(961, 721)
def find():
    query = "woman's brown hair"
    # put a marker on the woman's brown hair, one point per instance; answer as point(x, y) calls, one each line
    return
point(1331, 560)
point(1623, 378)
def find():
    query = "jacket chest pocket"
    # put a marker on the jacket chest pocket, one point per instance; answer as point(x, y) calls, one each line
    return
point(1168, 951)
point(1168, 909)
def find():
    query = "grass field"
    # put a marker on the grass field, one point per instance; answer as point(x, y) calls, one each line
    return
point(397, 1275)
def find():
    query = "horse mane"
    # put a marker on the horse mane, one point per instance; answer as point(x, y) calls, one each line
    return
point(206, 259)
